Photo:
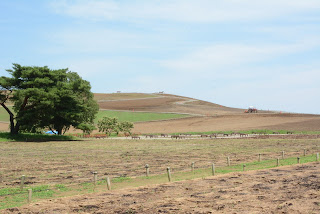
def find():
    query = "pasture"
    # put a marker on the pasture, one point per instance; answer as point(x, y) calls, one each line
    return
point(64, 164)
point(132, 116)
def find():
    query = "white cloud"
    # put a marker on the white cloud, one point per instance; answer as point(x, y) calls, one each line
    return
point(214, 58)
point(183, 10)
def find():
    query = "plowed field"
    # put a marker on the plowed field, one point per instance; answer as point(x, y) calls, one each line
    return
point(294, 189)
point(239, 122)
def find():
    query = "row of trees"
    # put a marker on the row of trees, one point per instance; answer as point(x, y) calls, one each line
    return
point(45, 98)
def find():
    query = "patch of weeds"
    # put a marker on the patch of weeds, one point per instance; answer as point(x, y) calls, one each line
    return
point(61, 187)
point(86, 185)
point(120, 179)
point(10, 191)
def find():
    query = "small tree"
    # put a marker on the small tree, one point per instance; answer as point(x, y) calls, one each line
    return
point(86, 128)
point(125, 127)
point(108, 125)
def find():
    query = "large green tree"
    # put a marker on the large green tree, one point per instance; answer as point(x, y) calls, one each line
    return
point(45, 98)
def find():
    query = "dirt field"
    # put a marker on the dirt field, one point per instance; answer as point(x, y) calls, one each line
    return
point(74, 162)
point(206, 116)
point(294, 122)
point(168, 103)
point(294, 189)
point(121, 96)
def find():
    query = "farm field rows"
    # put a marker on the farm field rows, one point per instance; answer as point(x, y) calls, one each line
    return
point(294, 122)
point(288, 189)
point(74, 161)
point(121, 96)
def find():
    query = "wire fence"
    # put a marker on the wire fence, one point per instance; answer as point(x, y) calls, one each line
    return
point(21, 187)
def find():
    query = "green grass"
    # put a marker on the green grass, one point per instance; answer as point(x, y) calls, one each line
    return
point(137, 116)
point(13, 197)
point(5, 137)
point(4, 116)
point(121, 115)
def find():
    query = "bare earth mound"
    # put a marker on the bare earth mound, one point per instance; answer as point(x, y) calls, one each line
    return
point(294, 189)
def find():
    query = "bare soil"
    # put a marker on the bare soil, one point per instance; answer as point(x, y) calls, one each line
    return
point(294, 122)
point(206, 116)
point(169, 103)
point(73, 162)
point(121, 96)
point(294, 189)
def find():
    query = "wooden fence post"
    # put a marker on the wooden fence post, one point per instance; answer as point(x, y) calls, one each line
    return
point(298, 159)
point(278, 162)
point(259, 157)
point(95, 178)
point(244, 167)
point(108, 183)
point(169, 174)
point(147, 170)
point(23, 177)
point(282, 154)
point(317, 157)
point(192, 167)
point(228, 161)
point(29, 195)
point(213, 169)
point(304, 152)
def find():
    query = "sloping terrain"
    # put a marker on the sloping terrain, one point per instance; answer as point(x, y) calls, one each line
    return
point(290, 189)
point(165, 103)
point(204, 116)
point(233, 122)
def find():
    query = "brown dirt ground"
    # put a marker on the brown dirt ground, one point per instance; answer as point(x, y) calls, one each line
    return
point(294, 122)
point(213, 117)
point(168, 103)
point(121, 96)
point(289, 189)
point(73, 162)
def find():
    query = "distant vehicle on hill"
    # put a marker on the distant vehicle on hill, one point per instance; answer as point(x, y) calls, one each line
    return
point(251, 109)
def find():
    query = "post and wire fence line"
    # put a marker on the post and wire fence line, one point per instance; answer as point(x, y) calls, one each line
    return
point(29, 191)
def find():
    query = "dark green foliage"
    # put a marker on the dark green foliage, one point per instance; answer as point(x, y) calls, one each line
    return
point(86, 128)
point(45, 98)
point(125, 127)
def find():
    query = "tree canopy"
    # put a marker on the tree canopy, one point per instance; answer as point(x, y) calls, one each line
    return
point(46, 98)
point(112, 124)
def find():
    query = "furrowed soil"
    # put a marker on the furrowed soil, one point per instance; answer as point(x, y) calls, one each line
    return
point(73, 162)
point(294, 189)
point(204, 116)
point(240, 122)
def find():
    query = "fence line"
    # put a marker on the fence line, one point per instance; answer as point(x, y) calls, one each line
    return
point(23, 179)
point(20, 190)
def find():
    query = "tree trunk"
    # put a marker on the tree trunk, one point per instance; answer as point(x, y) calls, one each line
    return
point(13, 129)
point(59, 130)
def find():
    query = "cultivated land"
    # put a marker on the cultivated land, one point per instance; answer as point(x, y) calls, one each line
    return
point(201, 116)
point(283, 190)
point(58, 169)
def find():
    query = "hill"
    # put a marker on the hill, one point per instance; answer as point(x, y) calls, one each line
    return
point(205, 116)
point(167, 113)
point(162, 103)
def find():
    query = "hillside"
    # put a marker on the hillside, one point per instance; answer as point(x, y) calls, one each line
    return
point(167, 113)
point(162, 103)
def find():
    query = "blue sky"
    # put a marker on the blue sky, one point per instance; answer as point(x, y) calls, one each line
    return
point(236, 53)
